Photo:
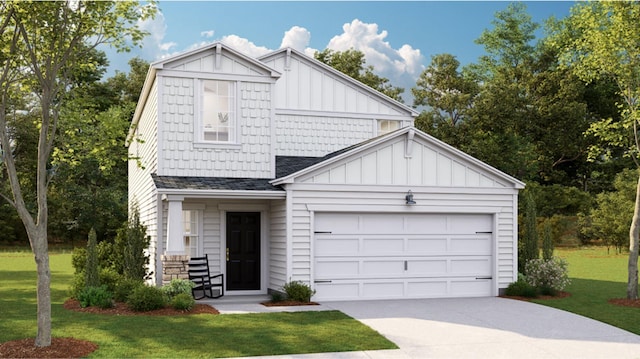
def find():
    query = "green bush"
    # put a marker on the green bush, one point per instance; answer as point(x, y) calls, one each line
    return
point(125, 287)
point(132, 241)
point(183, 301)
point(146, 298)
point(92, 267)
point(549, 274)
point(79, 259)
point(95, 297)
point(298, 291)
point(110, 278)
point(277, 297)
point(178, 286)
point(78, 284)
point(521, 289)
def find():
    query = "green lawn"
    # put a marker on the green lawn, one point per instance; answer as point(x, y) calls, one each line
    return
point(597, 277)
point(182, 336)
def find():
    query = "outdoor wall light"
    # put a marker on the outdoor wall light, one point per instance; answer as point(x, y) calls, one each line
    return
point(409, 198)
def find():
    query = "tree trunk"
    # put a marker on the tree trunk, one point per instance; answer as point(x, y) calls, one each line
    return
point(43, 288)
point(632, 282)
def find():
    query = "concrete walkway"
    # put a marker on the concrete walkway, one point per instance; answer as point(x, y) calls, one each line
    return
point(473, 328)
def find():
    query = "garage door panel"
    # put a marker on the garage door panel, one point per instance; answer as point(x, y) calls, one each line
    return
point(379, 268)
point(427, 244)
point(382, 245)
point(337, 268)
point(426, 267)
point(470, 266)
point(402, 256)
point(477, 244)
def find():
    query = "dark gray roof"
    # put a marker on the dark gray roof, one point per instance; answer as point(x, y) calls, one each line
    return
point(213, 183)
point(285, 165)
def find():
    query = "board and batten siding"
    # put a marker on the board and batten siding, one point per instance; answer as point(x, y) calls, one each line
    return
point(310, 198)
point(142, 191)
point(182, 156)
point(308, 85)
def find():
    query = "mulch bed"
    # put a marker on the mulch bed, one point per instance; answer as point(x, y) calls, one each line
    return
point(625, 302)
point(287, 303)
point(59, 348)
point(74, 348)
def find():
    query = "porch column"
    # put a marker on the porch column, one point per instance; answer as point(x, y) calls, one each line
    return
point(175, 243)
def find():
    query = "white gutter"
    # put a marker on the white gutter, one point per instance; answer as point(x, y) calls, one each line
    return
point(209, 193)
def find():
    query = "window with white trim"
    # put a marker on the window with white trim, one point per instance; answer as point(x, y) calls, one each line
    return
point(386, 126)
point(218, 111)
point(190, 224)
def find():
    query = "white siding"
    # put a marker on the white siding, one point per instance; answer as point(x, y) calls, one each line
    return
point(278, 245)
point(347, 198)
point(305, 85)
point(206, 62)
point(251, 157)
point(142, 191)
point(298, 135)
point(387, 164)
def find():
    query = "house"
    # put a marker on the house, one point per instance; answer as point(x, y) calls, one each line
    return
point(281, 169)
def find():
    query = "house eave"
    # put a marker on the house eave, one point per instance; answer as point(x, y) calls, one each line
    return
point(212, 193)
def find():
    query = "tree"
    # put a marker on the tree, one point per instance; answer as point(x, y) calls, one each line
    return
point(352, 63)
point(600, 42)
point(41, 43)
point(529, 248)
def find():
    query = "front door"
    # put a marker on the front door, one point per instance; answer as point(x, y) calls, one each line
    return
point(243, 251)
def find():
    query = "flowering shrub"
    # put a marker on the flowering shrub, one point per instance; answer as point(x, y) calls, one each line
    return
point(547, 274)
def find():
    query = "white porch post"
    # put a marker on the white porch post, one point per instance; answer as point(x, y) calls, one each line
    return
point(175, 243)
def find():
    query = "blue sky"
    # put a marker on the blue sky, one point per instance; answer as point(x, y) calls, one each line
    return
point(398, 38)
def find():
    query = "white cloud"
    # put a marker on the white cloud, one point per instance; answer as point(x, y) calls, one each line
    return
point(401, 66)
point(297, 38)
point(245, 46)
point(157, 29)
point(207, 34)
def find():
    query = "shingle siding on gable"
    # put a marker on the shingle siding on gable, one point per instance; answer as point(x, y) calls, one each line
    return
point(316, 136)
point(182, 155)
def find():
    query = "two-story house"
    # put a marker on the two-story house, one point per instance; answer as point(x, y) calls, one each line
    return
point(281, 169)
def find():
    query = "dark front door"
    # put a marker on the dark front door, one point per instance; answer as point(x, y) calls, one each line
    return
point(243, 251)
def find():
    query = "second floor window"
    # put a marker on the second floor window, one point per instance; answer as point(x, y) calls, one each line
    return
point(218, 118)
point(386, 126)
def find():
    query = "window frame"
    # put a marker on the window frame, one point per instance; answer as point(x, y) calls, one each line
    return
point(199, 125)
point(198, 236)
point(380, 122)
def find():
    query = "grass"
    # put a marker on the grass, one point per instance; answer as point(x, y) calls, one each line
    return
point(597, 277)
point(181, 336)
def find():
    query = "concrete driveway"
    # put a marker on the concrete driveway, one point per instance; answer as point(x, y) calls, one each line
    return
point(482, 328)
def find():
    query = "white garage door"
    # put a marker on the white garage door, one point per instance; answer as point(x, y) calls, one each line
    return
point(378, 256)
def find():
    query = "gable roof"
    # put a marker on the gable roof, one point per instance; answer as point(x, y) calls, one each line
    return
point(410, 132)
point(288, 53)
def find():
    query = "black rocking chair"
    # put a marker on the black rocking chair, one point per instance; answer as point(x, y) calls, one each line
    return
point(204, 281)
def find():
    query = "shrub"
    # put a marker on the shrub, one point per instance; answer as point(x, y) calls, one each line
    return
point(78, 284)
point(79, 259)
point(145, 298)
point(92, 268)
point(183, 301)
point(109, 278)
point(125, 287)
point(277, 297)
point(521, 289)
point(131, 242)
point(178, 286)
point(95, 297)
point(549, 274)
point(298, 291)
